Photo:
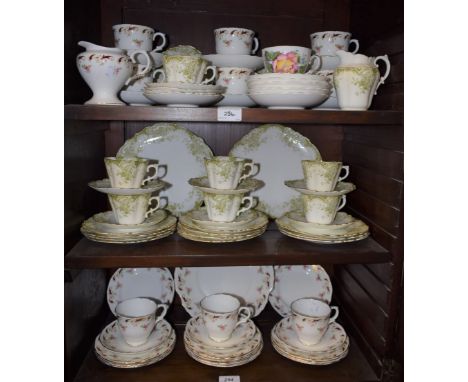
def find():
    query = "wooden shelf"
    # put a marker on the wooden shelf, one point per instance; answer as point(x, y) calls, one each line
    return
point(249, 115)
point(269, 366)
point(269, 249)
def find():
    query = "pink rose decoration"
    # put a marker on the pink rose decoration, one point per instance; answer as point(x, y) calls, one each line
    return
point(286, 63)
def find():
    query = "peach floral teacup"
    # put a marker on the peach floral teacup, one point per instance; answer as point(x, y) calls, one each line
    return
point(290, 59)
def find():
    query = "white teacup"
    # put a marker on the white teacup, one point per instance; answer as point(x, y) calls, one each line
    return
point(322, 209)
point(136, 318)
point(221, 314)
point(323, 176)
point(225, 208)
point(225, 173)
point(185, 69)
point(142, 80)
point(140, 58)
point(328, 42)
point(129, 172)
point(311, 319)
point(235, 41)
point(234, 79)
point(133, 209)
point(131, 36)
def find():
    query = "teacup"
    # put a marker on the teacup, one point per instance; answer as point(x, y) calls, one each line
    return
point(235, 41)
point(129, 172)
point(328, 42)
point(139, 84)
point(311, 319)
point(322, 209)
point(225, 173)
point(136, 318)
point(185, 69)
point(323, 176)
point(133, 209)
point(235, 79)
point(221, 314)
point(225, 208)
point(290, 59)
point(155, 58)
point(131, 36)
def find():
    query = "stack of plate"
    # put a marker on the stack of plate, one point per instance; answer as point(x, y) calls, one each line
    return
point(332, 348)
point(103, 228)
point(243, 347)
point(288, 91)
point(176, 94)
point(112, 350)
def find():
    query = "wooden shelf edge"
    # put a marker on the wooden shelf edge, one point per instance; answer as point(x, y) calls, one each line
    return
point(249, 115)
point(272, 248)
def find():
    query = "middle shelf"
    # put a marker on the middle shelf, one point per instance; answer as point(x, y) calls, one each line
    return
point(272, 248)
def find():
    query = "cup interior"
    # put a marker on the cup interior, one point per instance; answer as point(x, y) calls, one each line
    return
point(224, 159)
point(136, 307)
point(310, 307)
point(220, 303)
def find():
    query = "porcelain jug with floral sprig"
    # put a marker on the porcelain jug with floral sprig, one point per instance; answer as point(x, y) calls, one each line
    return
point(357, 79)
point(106, 70)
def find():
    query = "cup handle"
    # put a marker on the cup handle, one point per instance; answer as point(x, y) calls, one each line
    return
point(243, 317)
point(335, 316)
point(154, 209)
point(145, 70)
point(314, 67)
point(250, 205)
point(159, 71)
point(151, 177)
point(249, 166)
point(342, 202)
point(346, 168)
point(355, 42)
point(164, 311)
point(255, 40)
point(215, 73)
point(387, 70)
point(162, 45)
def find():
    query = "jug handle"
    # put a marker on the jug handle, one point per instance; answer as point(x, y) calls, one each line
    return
point(145, 71)
point(387, 70)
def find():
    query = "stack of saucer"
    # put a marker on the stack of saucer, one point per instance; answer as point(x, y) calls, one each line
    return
point(223, 220)
point(181, 83)
point(129, 194)
point(323, 195)
point(332, 348)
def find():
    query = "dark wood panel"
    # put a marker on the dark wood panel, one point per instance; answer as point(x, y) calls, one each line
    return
point(383, 162)
point(397, 70)
point(382, 214)
point(384, 137)
point(336, 15)
point(378, 291)
point(382, 271)
point(115, 137)
point(389, 44)
point(249, 115)
point(270, 248)
point(391, 98)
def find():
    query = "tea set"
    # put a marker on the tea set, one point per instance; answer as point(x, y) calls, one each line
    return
point(221, 302)
point(325, 76)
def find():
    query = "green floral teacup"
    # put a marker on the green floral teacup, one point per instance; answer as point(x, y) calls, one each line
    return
point(225, 208)
point(129, 172)
point(133, 209)
point(225, 173)
point(322, 209)
point(323, 176)
point(290, 59)
point(185, 69)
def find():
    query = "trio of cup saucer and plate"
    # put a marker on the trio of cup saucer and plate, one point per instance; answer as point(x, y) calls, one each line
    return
point(201, 290)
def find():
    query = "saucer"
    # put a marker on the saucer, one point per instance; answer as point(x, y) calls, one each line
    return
point(298, 222)
point(105, 187)
point(200, 218)
point(183, 99)
point(240, 100)
point(235, 60)
point(134, 98)
point(300, 186)
point(247, 185)
point(106, 221)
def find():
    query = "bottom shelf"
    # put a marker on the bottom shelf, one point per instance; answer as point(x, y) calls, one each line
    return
point(269, 366)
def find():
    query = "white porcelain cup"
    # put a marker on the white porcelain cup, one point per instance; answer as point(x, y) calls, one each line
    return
point(133, 209)
point(225, 208)
point(221, 314)
point(322, 209)
point(234, 79)
point(136, 318)
point(138, 85)
point(131, 36)
point(323, 176)
point(235, 41)
point(225, 173)
point(328, 42)
point(311, 319)
point(129, 172)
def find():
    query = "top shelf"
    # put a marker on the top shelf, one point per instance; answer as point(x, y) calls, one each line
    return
point(249, 115)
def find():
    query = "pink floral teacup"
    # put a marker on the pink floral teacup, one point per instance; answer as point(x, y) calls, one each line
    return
point(311, 318)
point(136, 318)
point(290, 59)
point(221, 314)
